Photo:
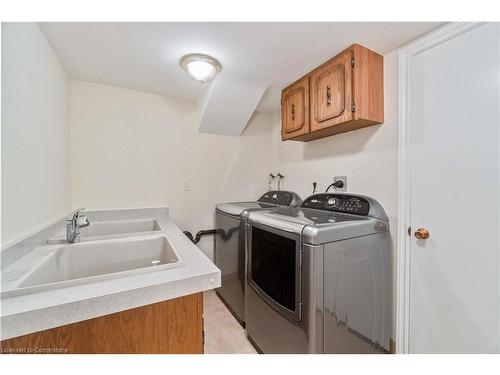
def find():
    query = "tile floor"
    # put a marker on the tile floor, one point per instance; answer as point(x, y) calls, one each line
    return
point(223, 334)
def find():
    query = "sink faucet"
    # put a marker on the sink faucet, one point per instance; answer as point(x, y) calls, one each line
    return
point(74, 226)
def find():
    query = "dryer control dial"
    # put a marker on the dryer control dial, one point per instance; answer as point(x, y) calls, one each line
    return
point(331, 201)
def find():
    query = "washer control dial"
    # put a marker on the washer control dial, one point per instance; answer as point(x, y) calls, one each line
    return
point(331, 201)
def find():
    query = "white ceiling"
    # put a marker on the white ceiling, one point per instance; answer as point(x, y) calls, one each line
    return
point(145, 56)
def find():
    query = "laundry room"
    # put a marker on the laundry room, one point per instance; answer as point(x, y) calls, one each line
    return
point(256, 187)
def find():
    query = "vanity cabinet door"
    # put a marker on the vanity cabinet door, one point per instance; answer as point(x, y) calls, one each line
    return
point(331, 92)
point(295, 109)
point(173, 326)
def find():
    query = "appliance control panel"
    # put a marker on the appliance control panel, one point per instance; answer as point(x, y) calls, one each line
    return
point(349, 204)
point(279, 197)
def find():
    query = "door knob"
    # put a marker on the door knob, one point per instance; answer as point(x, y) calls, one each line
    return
point(421, 234)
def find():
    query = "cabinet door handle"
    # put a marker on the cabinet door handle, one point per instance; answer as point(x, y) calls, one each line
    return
point(293, 111)
point(328, 96)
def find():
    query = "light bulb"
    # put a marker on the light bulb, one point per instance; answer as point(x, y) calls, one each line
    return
point(202, 68)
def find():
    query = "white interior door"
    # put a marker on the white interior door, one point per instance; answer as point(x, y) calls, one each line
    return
point(454, 164)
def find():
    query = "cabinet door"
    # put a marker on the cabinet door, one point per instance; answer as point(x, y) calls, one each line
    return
point(295, 109)
point(331, 92)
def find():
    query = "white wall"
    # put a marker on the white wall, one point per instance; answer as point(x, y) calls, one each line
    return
point(135, 149)
point(35, 132)
point(368, 157)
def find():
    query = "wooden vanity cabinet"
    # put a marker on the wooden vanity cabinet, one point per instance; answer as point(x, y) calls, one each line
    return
point(345, 93)
point(295, 109)
point(169, 327)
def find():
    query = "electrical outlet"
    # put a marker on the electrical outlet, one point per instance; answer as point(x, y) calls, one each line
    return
point(344, 181)
point(187, 186)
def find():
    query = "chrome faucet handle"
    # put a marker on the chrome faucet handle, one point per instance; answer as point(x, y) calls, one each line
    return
point(82, 221)
point(77, 213)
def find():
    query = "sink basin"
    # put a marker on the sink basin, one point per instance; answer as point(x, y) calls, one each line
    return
point(112, 229)
point(78, 263)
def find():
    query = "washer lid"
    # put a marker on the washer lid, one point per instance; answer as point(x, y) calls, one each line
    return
point(326, 233)
point(314, 217)
point(270, 199)
point(316, 226)
point(236, 208)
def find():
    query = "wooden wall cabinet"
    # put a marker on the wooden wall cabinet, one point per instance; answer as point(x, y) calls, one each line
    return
point(343, 94)
point(295, 109)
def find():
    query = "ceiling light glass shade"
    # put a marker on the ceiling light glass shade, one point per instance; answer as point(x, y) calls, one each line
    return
point(202, 68)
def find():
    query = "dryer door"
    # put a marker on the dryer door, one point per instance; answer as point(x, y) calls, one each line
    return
point(274, 263)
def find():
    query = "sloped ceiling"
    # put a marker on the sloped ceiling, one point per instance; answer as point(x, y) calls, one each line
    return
point(227, 105)
point(258, 59)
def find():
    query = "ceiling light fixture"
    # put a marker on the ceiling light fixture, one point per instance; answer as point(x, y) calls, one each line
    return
point(202, 68)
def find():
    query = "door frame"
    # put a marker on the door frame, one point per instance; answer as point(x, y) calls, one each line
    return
point(403, 256)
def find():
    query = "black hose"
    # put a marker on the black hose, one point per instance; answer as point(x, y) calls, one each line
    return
point(188, 235)
point(200, 234)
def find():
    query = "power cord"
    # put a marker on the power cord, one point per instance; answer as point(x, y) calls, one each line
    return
point(337, 184)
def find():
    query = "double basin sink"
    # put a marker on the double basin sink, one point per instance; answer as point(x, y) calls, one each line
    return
point(107, 249)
